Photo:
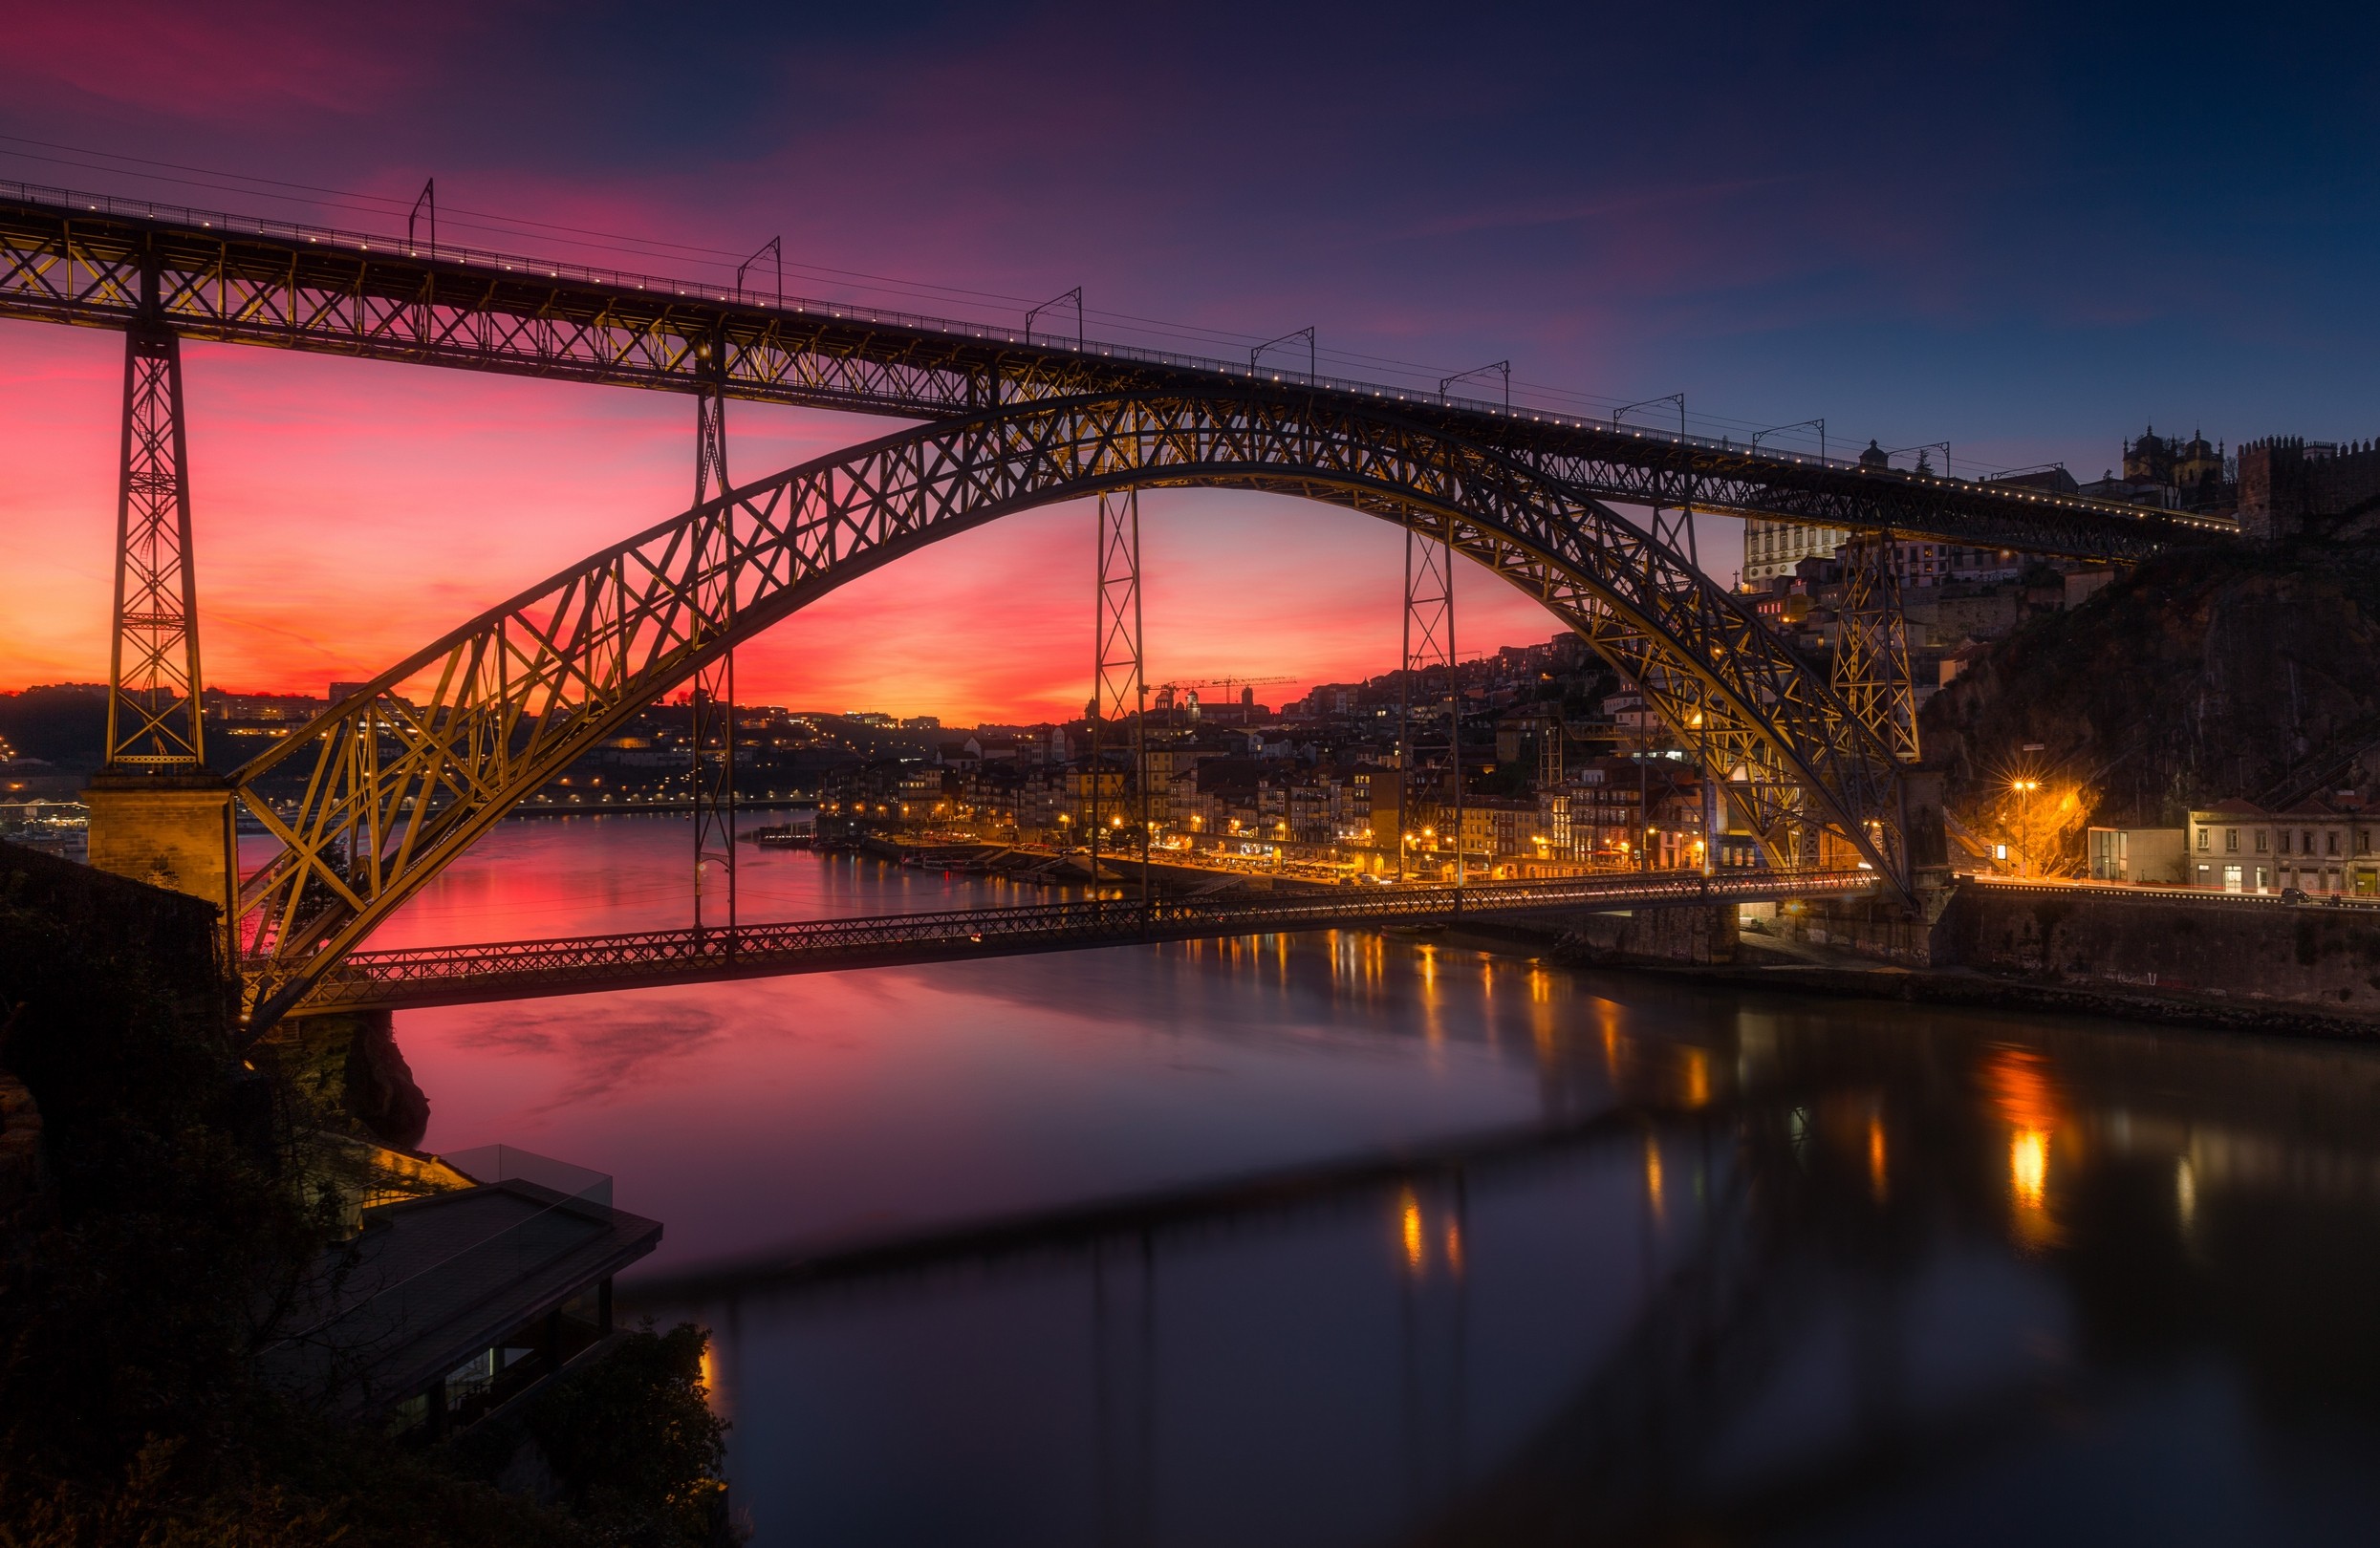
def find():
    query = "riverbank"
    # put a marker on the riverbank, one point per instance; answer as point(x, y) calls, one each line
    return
point(1071, 868)
point(1787, 965)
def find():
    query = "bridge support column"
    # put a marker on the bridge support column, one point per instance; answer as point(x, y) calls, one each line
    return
point(1119, 673)
point(158, 815)
point(1429, 643)
point(712, 735)
point(1929, 845)
point(154, 716)
point(169, 829)
point(1871, 646)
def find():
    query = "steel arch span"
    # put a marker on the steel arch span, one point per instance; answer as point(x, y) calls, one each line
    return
point(397, 789)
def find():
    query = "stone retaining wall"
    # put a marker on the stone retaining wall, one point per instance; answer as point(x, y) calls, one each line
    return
point(2216, 946)
point(1702, 932)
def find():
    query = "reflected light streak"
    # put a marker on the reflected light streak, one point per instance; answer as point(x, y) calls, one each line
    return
point(1698, 1078)
point(1876, 1179)
point(2028, 1167)
point(2186, 1193)
point(1453, 1248)
point(1652, 1175)
point(2029, 1188)
point(2019, 1082)
point(1414, 1244)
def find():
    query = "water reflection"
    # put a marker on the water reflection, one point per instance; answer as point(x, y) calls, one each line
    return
point(1827, 1300)
point(1297, 1240)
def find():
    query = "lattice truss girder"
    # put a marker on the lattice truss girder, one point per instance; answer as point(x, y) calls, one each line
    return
point(402, 777)
point(279, 290)
point(258, 291)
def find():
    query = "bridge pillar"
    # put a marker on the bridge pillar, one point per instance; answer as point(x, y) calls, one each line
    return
point(1429, 643)
point(711, 734)
point(1929, 845)
point(1871, 646)
point(154, 716)
point(169, 829)
point(158, 814)
point(1119, 670)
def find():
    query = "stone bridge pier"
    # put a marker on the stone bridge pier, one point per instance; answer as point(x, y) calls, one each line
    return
point(171, 830)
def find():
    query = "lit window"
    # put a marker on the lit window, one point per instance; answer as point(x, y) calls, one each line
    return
point(2231, 841)
point(2203, 835)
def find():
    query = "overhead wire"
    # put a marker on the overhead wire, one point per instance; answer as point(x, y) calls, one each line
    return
point(491, 224)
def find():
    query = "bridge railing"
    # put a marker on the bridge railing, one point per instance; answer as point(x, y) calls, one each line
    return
point(495, 260)
point(366, 976)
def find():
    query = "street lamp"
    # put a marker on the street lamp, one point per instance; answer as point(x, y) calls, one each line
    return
point(2024, 790)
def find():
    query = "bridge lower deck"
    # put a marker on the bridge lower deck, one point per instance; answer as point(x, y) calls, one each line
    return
point(529, 969)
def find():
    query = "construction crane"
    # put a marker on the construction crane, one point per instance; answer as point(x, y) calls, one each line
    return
point(1166, 692)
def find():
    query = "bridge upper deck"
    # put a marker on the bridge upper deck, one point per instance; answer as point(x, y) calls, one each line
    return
point(95, 261)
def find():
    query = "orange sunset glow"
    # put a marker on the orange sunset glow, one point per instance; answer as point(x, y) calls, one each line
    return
point(348, 512)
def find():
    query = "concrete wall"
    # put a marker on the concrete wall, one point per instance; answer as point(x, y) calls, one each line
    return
point(1876, 928)
point(1696, 933)
point(2225, 948)
point(2307, 954)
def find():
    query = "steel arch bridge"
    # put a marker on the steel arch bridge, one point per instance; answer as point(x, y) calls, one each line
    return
point(396, 788)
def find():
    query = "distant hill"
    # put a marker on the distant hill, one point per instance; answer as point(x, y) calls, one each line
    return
point(65, 725)
point(2234, 673)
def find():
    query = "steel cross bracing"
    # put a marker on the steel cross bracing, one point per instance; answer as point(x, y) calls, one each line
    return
point(154, 716)
point(1673, 522)
point(1119, 676)
point(711, 706)
point(453, 975)
point(1871, 646)
point(406, 773)
point(70, 258)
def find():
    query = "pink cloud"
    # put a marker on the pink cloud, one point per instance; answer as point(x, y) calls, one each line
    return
point(199, 63)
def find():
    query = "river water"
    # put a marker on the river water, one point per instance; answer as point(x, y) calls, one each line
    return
point(1352, 1239)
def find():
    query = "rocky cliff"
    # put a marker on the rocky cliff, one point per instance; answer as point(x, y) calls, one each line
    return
point(2230, 673)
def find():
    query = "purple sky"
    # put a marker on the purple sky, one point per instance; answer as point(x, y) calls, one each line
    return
point(2026, 233)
